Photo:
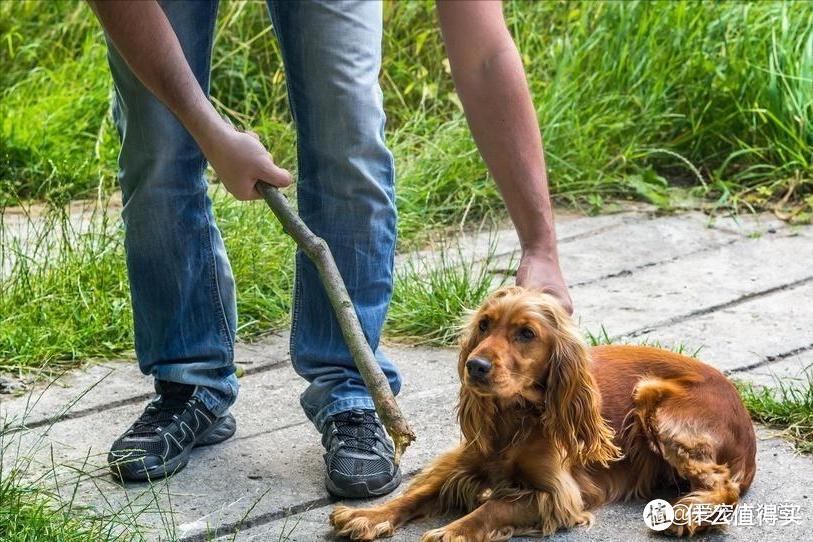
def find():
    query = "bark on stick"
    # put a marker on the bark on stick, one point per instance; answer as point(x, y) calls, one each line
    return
point(316, 249)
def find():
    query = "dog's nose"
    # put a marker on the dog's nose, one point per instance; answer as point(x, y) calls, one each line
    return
point(478, 368)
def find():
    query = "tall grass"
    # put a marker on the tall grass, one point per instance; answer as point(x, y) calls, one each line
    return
point(628, 94)
point(67, 298)
point(633, 98)
point(784, 405)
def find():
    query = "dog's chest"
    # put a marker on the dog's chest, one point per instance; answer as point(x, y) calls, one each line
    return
point(516, 462)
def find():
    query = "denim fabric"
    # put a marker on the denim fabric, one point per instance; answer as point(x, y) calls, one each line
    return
point(181, 282)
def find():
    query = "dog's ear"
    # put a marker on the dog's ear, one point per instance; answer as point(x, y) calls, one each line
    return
point(475, 417)
point(573, 403)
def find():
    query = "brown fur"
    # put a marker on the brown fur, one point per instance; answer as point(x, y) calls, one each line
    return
point(559, 429)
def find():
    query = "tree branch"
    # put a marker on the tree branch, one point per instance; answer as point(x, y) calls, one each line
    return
point(316, 249)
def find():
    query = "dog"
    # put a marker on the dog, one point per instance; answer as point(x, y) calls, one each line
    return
point(553, 429)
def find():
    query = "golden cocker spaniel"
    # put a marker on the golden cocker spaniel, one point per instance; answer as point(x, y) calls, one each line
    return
point(552, 429)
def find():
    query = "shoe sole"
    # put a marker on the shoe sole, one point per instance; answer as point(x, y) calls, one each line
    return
point(361, 491)
point(130, 472)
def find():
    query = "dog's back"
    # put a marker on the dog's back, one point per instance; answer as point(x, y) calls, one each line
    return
point(674, 415)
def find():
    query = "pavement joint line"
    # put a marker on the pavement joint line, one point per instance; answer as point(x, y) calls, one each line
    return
point(81, 413)
point(269, 431)
point(626, 220)
point(626, 272)
point(631, 270)
point(713, 308)
point(769, 360)
point(726, 229)
point(280, 513)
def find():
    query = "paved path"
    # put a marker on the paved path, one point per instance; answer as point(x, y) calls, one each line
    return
point(741, 290)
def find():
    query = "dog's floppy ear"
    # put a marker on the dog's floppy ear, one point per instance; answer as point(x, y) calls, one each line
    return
point(475, 417)
point(573, 403)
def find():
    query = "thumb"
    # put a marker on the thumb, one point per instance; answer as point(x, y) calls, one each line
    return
point(273, 174)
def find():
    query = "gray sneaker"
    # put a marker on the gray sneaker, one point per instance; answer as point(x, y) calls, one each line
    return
point(160, 441)
point(359, 456)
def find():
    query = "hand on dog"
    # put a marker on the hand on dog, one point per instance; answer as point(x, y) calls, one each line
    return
point(540, 271)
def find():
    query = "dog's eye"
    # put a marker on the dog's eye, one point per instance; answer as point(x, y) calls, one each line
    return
point(483, 325)
point(526, 334)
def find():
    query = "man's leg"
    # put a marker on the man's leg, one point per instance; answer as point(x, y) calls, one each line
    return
point(180, 279)
point(332, 54)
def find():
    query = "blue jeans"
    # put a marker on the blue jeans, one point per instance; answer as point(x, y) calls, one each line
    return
point(181, 282)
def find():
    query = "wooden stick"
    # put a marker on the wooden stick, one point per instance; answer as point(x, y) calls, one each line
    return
point(316, 249)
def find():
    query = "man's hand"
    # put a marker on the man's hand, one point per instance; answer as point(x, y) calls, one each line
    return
point(145, 39)
point(490, 80)
point(240, 160)
point(541, 272)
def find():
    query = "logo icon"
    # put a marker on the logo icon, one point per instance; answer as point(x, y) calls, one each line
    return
point(658, 514)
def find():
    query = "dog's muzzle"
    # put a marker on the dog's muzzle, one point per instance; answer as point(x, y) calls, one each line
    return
point(478, 369)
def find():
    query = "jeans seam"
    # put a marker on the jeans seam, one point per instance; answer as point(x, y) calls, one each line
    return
point(211, 40)
point(215, 284)
point(296, 303)
point(217, 298)
point(295, 309)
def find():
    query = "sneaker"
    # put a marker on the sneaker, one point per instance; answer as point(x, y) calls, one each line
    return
point(159, 442)
point(359, 456)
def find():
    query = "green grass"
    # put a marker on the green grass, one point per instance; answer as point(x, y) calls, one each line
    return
point(35, 506)
point(631, 96)
point(786, 406)
point(42, 500)
point(68, 298)
point(634, 99)
point(28, 513)
point(431, 297)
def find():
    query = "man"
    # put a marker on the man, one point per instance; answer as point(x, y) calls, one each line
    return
point(181, 283)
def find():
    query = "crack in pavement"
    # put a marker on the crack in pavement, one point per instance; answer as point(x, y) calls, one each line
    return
point(631, 270)
point(273, 515)
point(770, 360)
point(712, 308)
point(82, 412)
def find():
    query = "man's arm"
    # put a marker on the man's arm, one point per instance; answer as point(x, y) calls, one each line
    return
point(490, 81)
point(145, 39)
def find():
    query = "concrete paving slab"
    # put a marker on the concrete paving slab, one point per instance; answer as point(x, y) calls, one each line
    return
point(477, 245)
point(76, 393)
point(275, 447)
point(691, 286)
point(747, 334)
point(641, 244)
point(274, 465)
point(618, 244)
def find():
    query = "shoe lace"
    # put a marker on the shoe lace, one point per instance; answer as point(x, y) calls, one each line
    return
point(358, 429)
point(158, 414)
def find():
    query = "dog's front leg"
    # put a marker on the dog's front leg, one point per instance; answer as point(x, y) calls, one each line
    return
point(495, 520)
point(444, 484)
point(520, 512)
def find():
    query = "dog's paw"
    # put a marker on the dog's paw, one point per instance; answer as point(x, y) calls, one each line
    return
point(444, 534)
point(459, 533)
point(361, 523)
